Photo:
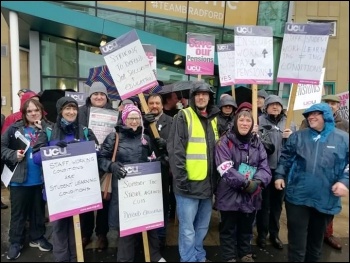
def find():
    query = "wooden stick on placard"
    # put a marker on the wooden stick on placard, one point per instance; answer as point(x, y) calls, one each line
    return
point(255, 103)
point(78, 241)
point(233, 92)
point(156, 135)
point(293, 94)
point(199, 77)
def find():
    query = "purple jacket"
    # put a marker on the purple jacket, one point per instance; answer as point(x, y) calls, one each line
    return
point(229, 154)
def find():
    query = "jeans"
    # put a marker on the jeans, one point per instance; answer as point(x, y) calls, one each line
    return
point(194, 218)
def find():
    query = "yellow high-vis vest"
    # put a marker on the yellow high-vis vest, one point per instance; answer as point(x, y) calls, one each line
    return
point(196, 151)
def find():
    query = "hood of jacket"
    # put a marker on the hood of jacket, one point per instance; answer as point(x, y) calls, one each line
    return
point(26, 96)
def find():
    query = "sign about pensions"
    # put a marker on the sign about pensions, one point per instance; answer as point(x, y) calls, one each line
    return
point(200, 54)
point(226, 59)
point(303, 51)
point(344, 105)
point(140, 198)
point(128, 64)
point(71, 178)
point(253, 54)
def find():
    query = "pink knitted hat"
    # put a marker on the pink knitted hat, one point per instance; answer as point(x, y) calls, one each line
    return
point(125, 113)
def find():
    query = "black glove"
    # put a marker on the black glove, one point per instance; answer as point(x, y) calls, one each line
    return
point(164, 159)
point(62, 144)
point(118, 170)
point(160, 143)
point(149, 118)
point(252, 187)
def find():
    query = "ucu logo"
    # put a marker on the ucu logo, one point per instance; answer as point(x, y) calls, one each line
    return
point(132, 169)
point(194, 68)
point(77, 97)
point(295, 28)
point(109, 47)
point(244, 30)
point(55, 152)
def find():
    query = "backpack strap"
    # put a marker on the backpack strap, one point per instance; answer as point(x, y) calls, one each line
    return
point(86, 133)
point(48, 133)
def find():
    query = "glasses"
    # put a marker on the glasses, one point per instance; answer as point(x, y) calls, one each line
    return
point(133, 119)
point(314, 113)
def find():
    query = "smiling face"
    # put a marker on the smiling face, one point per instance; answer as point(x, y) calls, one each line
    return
point(201, 100)
point(98, 99)
point(70, 112)
point(155, 105)
point(316, 120)
point(33, 113)
point(244, 123)
point(133, 120)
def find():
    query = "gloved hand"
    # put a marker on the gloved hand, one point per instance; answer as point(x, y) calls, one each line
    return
point(160, 143)
point(118, 170)
point(164, 159)
point(149, 118)
point(62, 144)
point(253, 187)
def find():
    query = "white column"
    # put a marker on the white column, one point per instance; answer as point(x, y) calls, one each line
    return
point(15, 60)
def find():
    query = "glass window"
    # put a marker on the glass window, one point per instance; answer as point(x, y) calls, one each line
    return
point(89, 57)
point(274, 14)
point(228, 36)
point(207, 30)
point(77, 6)
point(58, 57)
point(170, 74)
point(59, 83)
point(135, 7)
point(134, 21)
point(170, 10)
point(165, 28)
point(329, 88)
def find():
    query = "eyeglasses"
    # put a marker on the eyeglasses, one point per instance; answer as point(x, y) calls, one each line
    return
point(314, 113)
point(133, 119)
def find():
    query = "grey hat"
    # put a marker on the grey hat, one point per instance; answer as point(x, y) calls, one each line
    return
point(272, 99)
point(127, 101)
point(98, 87)
point(262, 93)
point(228, 101)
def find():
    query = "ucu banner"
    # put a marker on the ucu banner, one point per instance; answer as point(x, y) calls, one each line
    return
point(224, 167)
point(52, 152)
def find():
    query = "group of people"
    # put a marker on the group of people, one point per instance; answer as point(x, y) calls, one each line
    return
point(211, 157)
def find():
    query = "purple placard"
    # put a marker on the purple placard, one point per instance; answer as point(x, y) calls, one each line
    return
point(260, 31)
point(200, 54)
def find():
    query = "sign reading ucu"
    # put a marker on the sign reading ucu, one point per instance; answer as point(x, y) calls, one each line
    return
point(132, 169)
point(109, 47)
point(194, 68)
point(244, 30)
point(55, 152)
point(295, 28)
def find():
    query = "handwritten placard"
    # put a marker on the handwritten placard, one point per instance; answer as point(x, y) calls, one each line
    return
point(200, 54)
point(140, 199)
point(226, 59)
point(344, 105)
point(253, 54)
point(102, 122)
point(80, 97)
point(71, 178)
point(151, 53)
point(308, 94)
point(128, 65)
point(303, 51)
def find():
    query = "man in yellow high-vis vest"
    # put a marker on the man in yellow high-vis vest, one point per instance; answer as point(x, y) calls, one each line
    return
point(194, 133)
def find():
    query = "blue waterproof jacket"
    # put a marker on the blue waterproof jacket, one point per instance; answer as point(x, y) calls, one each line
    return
point(312, 162)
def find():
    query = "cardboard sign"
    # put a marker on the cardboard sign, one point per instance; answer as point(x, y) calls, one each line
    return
point(226, 59)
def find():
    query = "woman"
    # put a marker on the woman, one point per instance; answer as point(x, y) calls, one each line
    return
point(242, 163)
point(134, 147)
point(66, 130)
point(27, 181)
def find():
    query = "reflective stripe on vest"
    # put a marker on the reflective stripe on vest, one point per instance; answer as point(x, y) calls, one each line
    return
point(196, 151)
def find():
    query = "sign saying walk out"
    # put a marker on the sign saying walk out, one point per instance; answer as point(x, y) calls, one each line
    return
point(303, 51)
point(253, 54)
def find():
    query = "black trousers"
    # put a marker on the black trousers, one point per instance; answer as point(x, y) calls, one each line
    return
point(26, 202)
point(306, 227)
point(268, 217)
point(235, 228)
point(87, 221)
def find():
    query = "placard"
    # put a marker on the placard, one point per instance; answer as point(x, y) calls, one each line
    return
point(140, 198)
point(80, 97)
point(72, 182)
point(226, 60)
point(151, 53)
point(344, 105)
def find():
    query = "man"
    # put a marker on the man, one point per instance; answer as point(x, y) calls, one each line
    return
point(191, 156)
point(267, 219)
point(228, 107)
point(21, 92)
point(163, 124)
point(315, 163)
point(170, 101)
point(98, 97)
point(262, 95)
point(334, 102)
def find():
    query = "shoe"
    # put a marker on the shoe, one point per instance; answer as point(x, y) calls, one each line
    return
point(333, 242)
point(162, 260)
point(14, 251)
point(42, 244)
point(276, 242)
point(85, 241)
point(3, 206)
point(261, 242)
point(247, 258)
point(102, 242)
